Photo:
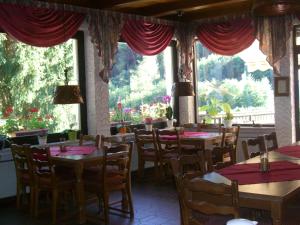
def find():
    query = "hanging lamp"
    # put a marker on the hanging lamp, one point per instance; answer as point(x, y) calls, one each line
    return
point(275, 7)
point(184, 86)
point(67, 94)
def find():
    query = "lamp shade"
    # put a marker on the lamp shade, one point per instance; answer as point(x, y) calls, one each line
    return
point(67, 94)
point(183, 89)
point(275, 7)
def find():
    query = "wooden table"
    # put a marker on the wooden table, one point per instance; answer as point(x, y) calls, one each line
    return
point(77, 162)
point(202, 140)
point(267, 196)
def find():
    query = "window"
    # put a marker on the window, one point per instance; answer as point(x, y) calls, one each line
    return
point(29, 76)
point(243, 81)
point(139, 82)
point(297, 78)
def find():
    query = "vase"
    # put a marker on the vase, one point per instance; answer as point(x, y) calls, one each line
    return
point(42, 140)
point(170, 123)
point(148, 127)
point(227, 123)
point(72, 135)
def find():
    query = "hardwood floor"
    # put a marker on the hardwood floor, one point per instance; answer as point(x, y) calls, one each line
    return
point(154, 204)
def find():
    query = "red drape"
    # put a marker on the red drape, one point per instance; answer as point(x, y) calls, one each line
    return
point(146, 38)
point(227, 38)
point(39, 26)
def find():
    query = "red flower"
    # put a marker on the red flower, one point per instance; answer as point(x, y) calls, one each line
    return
point(33, 110)
point(119, 105)
point(8, 111)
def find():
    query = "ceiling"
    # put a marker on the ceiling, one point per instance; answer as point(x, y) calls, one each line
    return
point(189, 10)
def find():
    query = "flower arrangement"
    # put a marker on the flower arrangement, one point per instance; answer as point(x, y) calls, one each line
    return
point(148, 120)
point(169, 111)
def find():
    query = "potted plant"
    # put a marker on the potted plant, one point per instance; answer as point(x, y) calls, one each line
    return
point(72, 134)
point(228, 115)
point(148, 123)
point(169, 111)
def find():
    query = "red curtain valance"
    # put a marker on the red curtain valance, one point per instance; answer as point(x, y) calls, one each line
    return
point(227, 38)
point(39, 26)
point(146, 38)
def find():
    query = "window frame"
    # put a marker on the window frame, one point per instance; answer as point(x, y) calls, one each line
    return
point(296, 51)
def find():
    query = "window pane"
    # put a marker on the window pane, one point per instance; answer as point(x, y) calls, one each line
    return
point(138, 83)
point(29, 76)
point(243, 81)
point(297, 36)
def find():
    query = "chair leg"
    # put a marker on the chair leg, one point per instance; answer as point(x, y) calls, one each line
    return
point(36, 201)
point(32, 193)
point(54, 205)
point(157, 173)
point(19, 192)
point(129, 198)
point(124, 200)
point(106, 207)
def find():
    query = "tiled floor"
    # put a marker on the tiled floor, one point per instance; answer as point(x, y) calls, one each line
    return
point(155, 204)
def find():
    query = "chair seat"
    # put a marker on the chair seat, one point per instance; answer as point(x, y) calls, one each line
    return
point(45, 181)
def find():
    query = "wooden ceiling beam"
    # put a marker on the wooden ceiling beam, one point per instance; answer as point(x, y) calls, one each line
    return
point(213, 12)
point(165, 9)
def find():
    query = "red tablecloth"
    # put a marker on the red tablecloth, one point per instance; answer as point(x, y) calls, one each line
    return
point(185, 134)
point(293, 151)
point(251, 174)
point(72, 150)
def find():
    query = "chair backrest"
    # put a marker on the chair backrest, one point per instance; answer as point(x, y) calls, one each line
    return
point(89, 138)
point(145, 140)
point(110, 141)
point(258, 143)
point(190, 127)
point(189, 164)
point(119, 157)
point(229, 141)
point(209, 127)
point(168, 140)
point(202, 196)
point(40, 163)
point(21, 160)
point(271, 141)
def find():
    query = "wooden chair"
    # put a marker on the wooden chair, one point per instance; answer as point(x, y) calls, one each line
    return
point(112, 177)
point(225, 154)
point(193, 165)
point(46, 179)
point(23, 173)
point(198, 197)
point(169, 146)
point(89, 138)
point(271, 141)
point(147, 150)
point(257, 143)
point(209, 127)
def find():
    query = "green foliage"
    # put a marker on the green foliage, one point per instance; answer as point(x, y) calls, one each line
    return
point(29, 76)
point(169, 112)
point(11, 125)
point(227, 110)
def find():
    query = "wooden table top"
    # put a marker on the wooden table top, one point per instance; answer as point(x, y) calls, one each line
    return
point(272, 191)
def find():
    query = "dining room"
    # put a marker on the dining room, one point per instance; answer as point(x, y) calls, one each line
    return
point(136, 111)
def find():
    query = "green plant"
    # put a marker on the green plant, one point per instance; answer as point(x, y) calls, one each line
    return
point(169, 112)
point(10, 126)
point(227, 110)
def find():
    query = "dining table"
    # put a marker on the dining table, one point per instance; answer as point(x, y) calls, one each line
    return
point(76, 158)
point(263, 190)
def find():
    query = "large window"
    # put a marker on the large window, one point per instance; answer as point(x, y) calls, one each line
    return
point(138, 85)
point(28, 78)
point(243, 81)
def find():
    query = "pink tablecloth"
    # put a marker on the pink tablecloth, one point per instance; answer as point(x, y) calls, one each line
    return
point(251, 174)
point(72, 150)
point(185, 134)
point(293, 151)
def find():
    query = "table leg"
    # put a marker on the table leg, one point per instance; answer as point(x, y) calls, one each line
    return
point(80, 193)
point(276, 213)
